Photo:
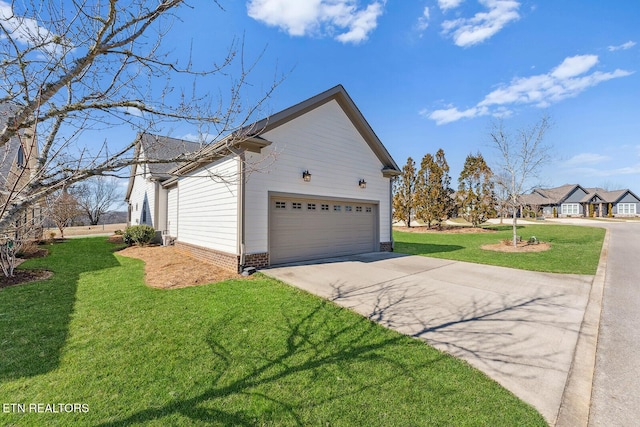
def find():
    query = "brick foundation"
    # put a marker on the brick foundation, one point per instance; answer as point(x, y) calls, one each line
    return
point(257, 260)
point(386, 246)
point(220, 259)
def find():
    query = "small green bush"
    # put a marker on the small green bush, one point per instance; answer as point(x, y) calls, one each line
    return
point(139, 235)
point(118, 232)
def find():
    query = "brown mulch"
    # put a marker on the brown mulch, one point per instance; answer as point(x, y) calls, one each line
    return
point(452, 229)
point(167, 268)
point(520, 248)
point(21, 277)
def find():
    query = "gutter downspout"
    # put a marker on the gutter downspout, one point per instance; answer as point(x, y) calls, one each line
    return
point(241, 204)
point(391, 212)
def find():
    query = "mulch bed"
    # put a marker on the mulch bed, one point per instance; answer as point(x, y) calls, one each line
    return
point(23, 276)
point(452, 229)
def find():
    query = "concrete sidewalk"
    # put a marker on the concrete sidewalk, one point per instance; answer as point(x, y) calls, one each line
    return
point(519, 327)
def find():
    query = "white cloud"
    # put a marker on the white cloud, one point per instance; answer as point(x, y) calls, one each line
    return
point(567, 80)
point(623, 46)
point(483, 25)
point(452, 114)
point(584, 159)
point(27, 31)
point(342, 19)
point(423, 21)
point(445, 5)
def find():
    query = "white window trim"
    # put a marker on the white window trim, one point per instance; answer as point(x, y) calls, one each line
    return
point(570, 209)
point(626, 208)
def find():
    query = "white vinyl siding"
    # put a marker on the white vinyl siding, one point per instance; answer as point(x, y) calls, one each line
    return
point(626, 208)
point(172, 212)
point(208, 206)
point(142, 198)
point(570, 209)
point(325, 142)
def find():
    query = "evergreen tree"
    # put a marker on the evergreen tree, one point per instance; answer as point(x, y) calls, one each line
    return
point(446, 204)
point(475, 190)
point(403, 193)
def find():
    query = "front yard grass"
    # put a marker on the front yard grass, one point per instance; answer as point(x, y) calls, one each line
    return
point(239, 352)
point(574, 249)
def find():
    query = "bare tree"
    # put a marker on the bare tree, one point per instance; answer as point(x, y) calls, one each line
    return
point(97, 195)
point(73, 68)
point(62, 208)
point(521, 157)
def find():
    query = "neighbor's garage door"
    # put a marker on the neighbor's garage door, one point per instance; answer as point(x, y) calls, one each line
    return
point(304, 229)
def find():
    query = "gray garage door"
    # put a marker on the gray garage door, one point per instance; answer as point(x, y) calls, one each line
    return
point(305, 229)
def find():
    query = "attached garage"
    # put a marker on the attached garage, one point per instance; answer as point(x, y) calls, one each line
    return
point(305, 228)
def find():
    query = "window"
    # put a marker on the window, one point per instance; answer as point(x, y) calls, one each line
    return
point(311, 206)
point(337, 208)
point(296, 205)
point(348, 208)
point(570, 209)
point(281, 205)
point(626, 208)
point(20, 161)
point(324, 207)
point(368, 209)
point(358, 208)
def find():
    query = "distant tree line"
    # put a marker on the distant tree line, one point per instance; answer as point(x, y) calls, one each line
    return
point(426, 194)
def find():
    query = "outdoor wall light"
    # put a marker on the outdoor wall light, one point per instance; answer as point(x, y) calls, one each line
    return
point(306, 175)
point(362, 183)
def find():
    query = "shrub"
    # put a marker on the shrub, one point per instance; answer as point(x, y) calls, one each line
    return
point(533, 240)
point(118, 232)
point(26, 248)
point(139, 235)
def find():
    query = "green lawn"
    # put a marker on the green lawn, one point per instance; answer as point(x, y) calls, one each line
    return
point(241, 353)
point(574, 249)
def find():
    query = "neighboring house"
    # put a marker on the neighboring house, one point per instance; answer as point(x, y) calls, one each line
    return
point(17, 158)
point(575, 200)
point(309, 182)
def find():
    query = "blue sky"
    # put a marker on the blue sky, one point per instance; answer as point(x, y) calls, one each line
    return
point(434, 74)
point(430, 74)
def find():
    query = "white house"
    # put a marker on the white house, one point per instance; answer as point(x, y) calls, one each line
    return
point(309, 182)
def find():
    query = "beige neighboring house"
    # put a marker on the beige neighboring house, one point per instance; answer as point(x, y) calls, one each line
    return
point(309, 182)
point(17, 158)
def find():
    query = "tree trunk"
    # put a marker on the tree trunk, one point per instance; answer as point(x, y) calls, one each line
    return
point(515, 228)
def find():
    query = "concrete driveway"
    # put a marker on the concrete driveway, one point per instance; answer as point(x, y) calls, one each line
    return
point(519, 327)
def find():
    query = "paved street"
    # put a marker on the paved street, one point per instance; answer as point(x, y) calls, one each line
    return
point(616, 387)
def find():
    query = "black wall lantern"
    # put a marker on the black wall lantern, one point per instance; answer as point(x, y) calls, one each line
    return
point(306, 175)
point(362, 183)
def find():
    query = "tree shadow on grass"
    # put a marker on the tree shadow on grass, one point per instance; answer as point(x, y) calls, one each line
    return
point(305, 350)
point(35, 317)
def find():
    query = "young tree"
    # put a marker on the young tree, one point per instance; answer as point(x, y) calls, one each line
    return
point(521, 157)
point(70, 68)
point(62, 208)
point(426, 190)
point(475, 190)
point(403, 193)
point(97, 195)
point(445, 204)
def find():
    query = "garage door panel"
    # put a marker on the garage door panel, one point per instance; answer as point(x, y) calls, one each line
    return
point(333, 228)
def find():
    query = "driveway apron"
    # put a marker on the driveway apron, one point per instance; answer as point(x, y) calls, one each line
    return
point(519, 327)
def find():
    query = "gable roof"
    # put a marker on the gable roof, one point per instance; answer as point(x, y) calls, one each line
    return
point(249, 138)
point(555, 196)
point(159, 148)
point(340, 95)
